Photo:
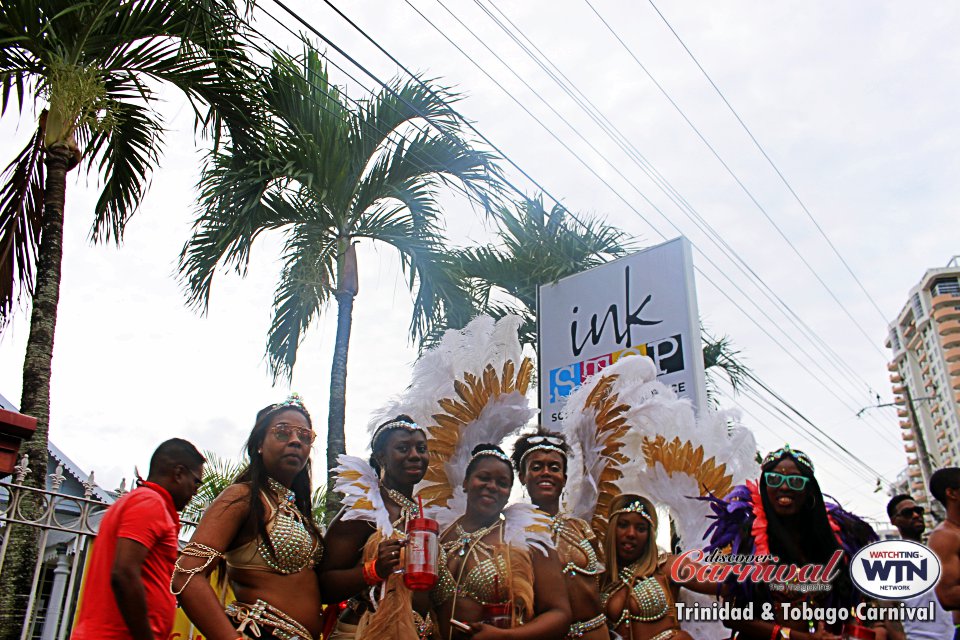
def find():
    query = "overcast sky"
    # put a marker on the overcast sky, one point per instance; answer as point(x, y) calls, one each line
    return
point(855, 102)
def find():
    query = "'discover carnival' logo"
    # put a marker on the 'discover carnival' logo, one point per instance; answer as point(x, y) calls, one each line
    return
point(895, 569)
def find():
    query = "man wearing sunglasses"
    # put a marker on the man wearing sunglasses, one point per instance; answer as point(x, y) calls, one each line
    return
point(127, 594)
point(907, 516)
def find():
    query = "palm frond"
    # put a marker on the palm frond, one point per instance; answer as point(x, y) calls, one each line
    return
point(234, 209)
point(21, 208)
point(127, 154)
point(218, 474)
point(306, 284)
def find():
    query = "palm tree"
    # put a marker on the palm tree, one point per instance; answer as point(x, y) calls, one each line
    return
point(94, 67)
point(533, 247)
point(536, 247)
point(330, 174)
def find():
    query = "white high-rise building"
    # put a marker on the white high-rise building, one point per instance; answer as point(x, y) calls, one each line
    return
point(925, 373)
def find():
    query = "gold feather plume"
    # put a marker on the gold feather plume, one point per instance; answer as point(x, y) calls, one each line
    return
point(611, 428)
point(473, 395)
point(681, 457)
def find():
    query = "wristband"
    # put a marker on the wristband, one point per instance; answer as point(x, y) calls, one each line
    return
point(775, 634)
point(370, 575)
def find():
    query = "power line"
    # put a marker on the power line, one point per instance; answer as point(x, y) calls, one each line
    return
point(773, 165)
point(740, 183)
point(826, 372)
point(614, 133)
point(353, 61)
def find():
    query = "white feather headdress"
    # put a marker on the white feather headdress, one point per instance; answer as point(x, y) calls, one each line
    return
point(469, 389)
point(631, 434)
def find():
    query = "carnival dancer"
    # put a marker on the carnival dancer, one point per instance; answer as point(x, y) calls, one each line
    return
point(784, 515)
point(363, 544)
point(262, 527)
point(639, 596)
point(630, 434)
point(469, 390)
point(541, 463)
point(499, 577)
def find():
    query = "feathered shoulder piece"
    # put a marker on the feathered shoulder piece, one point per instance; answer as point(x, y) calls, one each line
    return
point(631, 434)
point(360, 486)
point(469, 389)
point(525, 525)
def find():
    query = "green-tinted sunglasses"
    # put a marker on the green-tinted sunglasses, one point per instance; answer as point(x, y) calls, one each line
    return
point(797, 483)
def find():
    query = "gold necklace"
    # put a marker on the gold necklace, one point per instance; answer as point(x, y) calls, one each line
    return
point(408, 508)
point(466, 539)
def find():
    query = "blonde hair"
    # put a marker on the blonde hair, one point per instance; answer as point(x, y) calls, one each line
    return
point(647, 563)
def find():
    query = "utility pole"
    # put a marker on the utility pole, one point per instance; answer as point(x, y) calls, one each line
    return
point(923, 454)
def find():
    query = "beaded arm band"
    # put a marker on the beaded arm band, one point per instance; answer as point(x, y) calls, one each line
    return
point(193, 550)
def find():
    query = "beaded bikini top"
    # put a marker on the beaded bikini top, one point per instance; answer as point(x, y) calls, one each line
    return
point(646, 596)
point(573, 538)
point(294, 545)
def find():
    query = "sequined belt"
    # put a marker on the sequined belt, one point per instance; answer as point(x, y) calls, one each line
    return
point(578, 629)
point(665, 635)
point(262, 614)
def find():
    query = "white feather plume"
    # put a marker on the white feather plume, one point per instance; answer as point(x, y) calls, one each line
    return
point(358, 483)
point(653, 410)
point(526, 525)
point(483, 341)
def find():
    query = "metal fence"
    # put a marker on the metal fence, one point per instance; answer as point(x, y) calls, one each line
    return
point(65, 526)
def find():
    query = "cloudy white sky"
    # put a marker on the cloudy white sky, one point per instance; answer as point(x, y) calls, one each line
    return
point(856, 103)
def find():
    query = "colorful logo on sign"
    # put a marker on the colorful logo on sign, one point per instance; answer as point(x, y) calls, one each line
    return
point(667, 355)
point(895, 569)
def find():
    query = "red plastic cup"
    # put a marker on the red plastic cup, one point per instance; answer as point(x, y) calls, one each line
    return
point(420, 568)
point(498, 615)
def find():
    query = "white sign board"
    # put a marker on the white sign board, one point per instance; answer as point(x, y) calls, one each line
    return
point(644, 303)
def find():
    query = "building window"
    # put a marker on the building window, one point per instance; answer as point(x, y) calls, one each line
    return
point(947, 286)
point(917, 305)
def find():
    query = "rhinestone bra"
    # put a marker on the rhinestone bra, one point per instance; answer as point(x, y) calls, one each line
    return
point(574, 547)
point(648, 594)
point(294, 546)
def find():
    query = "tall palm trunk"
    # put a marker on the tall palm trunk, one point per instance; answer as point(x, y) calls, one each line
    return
point(18, 565)
point(336, 417)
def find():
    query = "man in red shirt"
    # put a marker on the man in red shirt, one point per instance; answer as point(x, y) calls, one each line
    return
point(127, 594)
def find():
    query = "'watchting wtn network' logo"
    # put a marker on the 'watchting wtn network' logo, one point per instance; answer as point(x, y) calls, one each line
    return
point(895, 569)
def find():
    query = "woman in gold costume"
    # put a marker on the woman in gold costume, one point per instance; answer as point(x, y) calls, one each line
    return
point(541, 463)
point(364, 542)
point(263, 527)
point(638, 595)
point(499, 577)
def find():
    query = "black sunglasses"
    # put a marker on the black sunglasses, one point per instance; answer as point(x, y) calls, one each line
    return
point(909, 512)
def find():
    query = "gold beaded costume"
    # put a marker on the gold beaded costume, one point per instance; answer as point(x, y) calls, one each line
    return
point(472, 389)
point(630, 434)
point(295, 548)
point(579, 555)
point(648, 599)
point(387, 608)
point(496, 573)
